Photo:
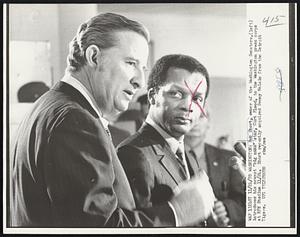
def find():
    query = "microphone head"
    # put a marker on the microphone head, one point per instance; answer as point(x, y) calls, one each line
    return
point(240, 149)
point(237, 164)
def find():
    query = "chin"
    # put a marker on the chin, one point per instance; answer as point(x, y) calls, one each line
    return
point(181, 129)
point(122, 106)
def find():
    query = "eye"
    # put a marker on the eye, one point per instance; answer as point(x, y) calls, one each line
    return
point(198, 98)
point(176, 94)
point(131, 63)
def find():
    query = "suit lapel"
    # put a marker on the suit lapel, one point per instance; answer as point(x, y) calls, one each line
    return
point(170, 164)
point(162, 150)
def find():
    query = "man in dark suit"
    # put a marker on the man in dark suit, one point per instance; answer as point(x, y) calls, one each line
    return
point(227, 183)
point(154, 158)
point(64, 168)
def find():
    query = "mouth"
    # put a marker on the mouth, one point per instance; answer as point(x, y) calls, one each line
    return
point(184, 120)
point(129, 93)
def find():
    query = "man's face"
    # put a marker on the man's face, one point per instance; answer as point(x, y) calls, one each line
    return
point(120, 73)
point(174, 98)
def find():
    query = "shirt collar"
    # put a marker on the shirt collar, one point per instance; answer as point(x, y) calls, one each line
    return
point(72, 81)
point(173, 142)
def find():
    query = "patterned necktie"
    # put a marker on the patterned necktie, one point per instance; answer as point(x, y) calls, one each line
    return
point(180, 159)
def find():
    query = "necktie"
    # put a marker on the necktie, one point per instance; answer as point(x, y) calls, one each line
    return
point(180, 159)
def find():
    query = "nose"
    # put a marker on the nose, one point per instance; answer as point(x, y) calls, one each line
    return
point(186, 104)
point(138, 81)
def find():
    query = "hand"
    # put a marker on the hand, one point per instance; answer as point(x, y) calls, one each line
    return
point(220, 215)
point(193, 200)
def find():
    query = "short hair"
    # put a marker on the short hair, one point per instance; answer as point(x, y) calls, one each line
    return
point(158, 74)
point(143, 99)
point(99, 30)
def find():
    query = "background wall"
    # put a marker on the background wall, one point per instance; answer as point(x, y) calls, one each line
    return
point(70, 17)
point(37, 22)
point(215, 34)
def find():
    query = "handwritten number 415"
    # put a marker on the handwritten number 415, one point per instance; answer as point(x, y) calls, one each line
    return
point(273, 21)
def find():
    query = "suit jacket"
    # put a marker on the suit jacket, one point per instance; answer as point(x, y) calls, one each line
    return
point(65, 171)
point(151, 167)
point(226, 183)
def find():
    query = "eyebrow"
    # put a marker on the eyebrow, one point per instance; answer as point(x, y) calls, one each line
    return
point(186, 89)
point(132, 58)
point(199, 93)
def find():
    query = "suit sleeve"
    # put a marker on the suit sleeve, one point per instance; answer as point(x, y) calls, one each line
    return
point(79, 176)
point(139, 173)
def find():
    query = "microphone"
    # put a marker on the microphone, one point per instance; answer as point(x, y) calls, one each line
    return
point(237, 164)
point(240, 149)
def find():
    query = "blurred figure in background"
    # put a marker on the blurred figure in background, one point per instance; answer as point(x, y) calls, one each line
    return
point(143, 101)
point(138, 116)
point(223, 142)
point(229, 209)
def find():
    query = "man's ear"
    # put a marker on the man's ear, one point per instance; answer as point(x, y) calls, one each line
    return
point(91, 55)
point(151, 96)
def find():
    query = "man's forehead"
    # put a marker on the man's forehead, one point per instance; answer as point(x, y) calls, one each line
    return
point(128, 36)
point(133, 45)
point(176, 74)
point(189, 81)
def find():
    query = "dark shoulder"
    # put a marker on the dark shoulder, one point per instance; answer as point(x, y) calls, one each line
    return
point(136, 148)
point(132, 154)
point(55, 102)
point(138, 140)
point(60, 110)
point(220, 152)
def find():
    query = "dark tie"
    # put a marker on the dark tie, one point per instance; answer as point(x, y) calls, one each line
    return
point(179, 155)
